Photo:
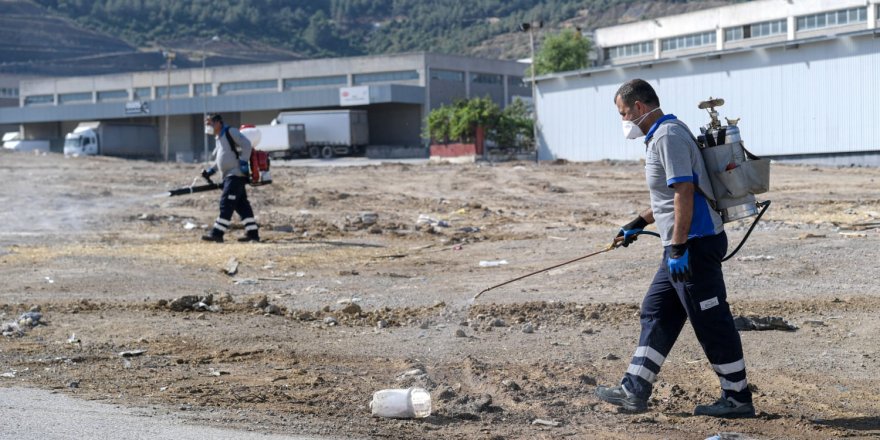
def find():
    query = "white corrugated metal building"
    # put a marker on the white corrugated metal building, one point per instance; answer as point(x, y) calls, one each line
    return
point(804, 76)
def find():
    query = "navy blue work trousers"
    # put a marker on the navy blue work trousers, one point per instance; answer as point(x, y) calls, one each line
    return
point(234, 200)
point(703, 300)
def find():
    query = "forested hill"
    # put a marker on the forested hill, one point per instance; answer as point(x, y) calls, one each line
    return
point(323, 28)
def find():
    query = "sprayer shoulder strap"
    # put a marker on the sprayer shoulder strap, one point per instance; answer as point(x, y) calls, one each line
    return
point(709, 197)
point(232, 144)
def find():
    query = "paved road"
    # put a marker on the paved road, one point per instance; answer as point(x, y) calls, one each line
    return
point(28, 413)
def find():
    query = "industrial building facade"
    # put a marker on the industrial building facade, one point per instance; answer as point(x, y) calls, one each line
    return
point(801, 75)
point(396, 90)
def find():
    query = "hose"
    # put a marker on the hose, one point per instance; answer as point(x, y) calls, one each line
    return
point(763, 205)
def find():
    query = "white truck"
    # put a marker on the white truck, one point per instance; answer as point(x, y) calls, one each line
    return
point(330, 132)
point(283, 140)
point(113, 139)
point(12, 141)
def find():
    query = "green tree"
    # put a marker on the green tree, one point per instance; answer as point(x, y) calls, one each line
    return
point(438, 124)
point(514, 127)
point(562, 52)
point(472, 113)
point(511, 127)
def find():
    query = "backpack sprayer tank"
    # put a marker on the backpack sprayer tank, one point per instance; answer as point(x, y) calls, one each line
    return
point(735, 173)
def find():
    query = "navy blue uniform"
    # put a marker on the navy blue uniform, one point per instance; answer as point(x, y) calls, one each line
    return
point(234, 199)
point(673, 157)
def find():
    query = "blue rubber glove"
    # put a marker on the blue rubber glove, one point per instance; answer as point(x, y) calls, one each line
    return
point(243, 167)
point(630, 231)
point(208, 173)
point(679, 262)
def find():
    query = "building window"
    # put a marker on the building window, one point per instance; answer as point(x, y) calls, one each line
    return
point(447, 75)
point(516, 81)
point(315, 81)
point(688, 41)
point(39, 100)
point(113, 95)
point(768, 28)
point(630, 50)
point(402, 75)
point(734, 34)
point(246, 86)
point(141, 93)
point(69, 98)
point(161, 92)
point(833, 18)
point(486, 78)
point(8, 92)
point(204, 89)
point(763, 29)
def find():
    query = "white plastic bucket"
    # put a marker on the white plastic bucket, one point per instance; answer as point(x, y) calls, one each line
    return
point(401, 403)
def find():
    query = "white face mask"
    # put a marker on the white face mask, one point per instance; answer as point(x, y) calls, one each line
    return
point(631, 129)
point(209, 130)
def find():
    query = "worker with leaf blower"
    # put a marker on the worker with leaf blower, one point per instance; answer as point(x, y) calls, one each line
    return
point(689, 283)
point(231, 155)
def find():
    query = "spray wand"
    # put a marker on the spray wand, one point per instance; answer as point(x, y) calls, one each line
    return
point(618, 241)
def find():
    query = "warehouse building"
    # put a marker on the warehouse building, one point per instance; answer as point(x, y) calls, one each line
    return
point(396, 90)
point(801, 75)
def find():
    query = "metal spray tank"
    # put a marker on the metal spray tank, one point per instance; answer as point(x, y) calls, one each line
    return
point(735, 173)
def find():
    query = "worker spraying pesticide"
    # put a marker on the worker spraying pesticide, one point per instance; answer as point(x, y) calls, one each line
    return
point(231, 155)
point(691, 199)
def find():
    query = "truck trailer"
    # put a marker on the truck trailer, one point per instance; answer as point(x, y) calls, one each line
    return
point(283, 140)
point(331, 132)
point(13, 141)
point(113, 139)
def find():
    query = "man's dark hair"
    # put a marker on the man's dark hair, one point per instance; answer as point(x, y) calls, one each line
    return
point(216, 118)
point(637, 90)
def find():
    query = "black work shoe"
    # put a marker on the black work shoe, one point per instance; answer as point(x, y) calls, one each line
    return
point(618, 396)
point(727, 409)
point(250, 236)
point(212, 237)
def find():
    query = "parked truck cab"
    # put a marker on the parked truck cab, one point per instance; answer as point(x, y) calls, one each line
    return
point(83, 141)
point(119, 139)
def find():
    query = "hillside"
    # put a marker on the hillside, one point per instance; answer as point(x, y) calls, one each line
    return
point(54, 35)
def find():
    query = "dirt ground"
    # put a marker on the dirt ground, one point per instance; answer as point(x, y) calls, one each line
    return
point(349, 306)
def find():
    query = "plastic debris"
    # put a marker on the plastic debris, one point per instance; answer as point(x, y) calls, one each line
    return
point(401, 403)
point(543, 422)
point(428, 220)
point(189, 225)
point(493, 263)
point(729, 436)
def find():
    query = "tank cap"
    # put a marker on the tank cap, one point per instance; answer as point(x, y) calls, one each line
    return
point(710, 103)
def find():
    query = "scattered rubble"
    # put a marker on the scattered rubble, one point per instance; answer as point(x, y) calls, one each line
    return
point(744, 323)
point(132, 353)
point(193, 303)
point(24, 323)
point(231, 267)
point(750, 258)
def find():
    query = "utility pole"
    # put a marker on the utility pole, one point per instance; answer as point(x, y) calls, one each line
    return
point(169, 56)
point(527, 27)
point(205, 89)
